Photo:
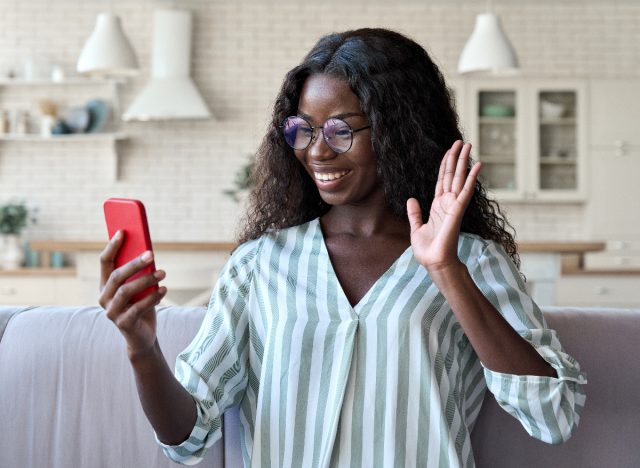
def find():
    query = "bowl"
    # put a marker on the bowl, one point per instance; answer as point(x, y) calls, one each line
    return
point(98, 115)
point(497, 110)
point(551, 110)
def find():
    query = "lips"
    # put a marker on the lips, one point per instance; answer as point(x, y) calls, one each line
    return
point(329, 176)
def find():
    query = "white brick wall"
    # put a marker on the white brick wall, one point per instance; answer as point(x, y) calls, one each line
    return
point(241, 51)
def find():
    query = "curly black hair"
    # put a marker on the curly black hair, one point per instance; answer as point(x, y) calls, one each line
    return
point(413, 123)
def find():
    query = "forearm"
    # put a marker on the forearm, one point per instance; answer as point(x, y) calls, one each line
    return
point(499, 347)
point(170, 409)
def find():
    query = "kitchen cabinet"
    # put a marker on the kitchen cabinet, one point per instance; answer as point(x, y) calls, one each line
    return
point(614, 147)
point(599, 291)
point(530, 136)
point(39, 287)
point(39, 88)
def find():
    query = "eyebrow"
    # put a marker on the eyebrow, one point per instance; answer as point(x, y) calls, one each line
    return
point(337, 116)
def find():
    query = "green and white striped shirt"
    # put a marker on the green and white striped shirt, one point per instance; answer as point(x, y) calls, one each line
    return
point(390, 382)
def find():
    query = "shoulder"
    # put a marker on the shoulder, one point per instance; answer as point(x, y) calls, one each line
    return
point(250, 251)
point(472, 249)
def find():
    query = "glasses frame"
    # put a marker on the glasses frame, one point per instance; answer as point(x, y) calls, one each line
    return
point(314, 134)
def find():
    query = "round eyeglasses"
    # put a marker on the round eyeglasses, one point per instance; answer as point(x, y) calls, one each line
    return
point(299, 134)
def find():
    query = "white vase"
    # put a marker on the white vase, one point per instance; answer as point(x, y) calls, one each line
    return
point(12, 253)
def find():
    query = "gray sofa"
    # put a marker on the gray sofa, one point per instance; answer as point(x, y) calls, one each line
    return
point(68, 398)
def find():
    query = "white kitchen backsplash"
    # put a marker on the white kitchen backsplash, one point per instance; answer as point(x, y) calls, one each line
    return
point(241, 50)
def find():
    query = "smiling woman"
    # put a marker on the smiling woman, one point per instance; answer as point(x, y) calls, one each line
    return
point(374, 296)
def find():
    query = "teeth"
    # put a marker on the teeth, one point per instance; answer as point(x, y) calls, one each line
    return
point(329, 176)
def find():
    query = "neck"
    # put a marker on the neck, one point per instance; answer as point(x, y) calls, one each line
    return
point(364, 221)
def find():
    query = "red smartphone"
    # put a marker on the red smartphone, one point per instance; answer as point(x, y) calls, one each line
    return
point(129, 216)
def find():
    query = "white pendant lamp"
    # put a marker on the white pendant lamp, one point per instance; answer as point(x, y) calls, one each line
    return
point(170, 94)
point(488, 49)
point(107, 51)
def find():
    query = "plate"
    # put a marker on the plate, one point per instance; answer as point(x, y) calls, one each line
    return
point(77, 119)
point(98, 114)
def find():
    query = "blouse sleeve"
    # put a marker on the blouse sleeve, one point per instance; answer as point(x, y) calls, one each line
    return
point(214, 367)
point(547, 407)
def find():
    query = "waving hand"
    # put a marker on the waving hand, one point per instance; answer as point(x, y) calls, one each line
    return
point(435, 243)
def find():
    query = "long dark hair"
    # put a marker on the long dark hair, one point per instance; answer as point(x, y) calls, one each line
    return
point(413, 122)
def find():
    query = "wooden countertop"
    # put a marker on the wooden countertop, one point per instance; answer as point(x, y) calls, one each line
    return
point(77, 246)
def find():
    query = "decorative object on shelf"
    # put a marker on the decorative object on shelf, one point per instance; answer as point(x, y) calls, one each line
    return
point(14, 217)
point(49, 111)
point(4, 122)
point(551, 110)
point(98, 114)
point(77, 119)
point(170, 94)
point(57, 74)
point(488, 49)
point(242, 181)
point(60, 128)
point(108, 51)
point(497, 110)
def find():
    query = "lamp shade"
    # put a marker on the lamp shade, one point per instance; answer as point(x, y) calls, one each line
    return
point(107, 51)
point(170, 93)
point(488, 48)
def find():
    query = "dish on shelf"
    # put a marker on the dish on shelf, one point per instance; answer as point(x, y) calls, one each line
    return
point(77, 119)
point(98, 115)
point(551, 110)
point(497, 110)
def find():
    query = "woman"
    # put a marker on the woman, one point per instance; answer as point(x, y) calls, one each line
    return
point(374, 294)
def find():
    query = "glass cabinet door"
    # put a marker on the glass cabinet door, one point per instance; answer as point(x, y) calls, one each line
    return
point(557, 146)
point(497, 139)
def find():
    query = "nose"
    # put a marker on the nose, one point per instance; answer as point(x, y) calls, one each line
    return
point(318, 148)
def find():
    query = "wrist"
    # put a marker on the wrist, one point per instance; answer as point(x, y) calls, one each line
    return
point(138, 356)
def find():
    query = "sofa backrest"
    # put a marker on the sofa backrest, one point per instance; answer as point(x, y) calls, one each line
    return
point(68, 397)
point(606, 343)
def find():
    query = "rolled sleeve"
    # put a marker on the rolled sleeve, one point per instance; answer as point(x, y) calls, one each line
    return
point(547, 407)
point(214, 367)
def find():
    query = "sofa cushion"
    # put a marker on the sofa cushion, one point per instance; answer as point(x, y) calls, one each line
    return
point(606, 344)
point(68, 394)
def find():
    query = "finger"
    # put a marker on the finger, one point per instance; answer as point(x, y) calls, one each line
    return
point(414, 212)
point(108, 257)
point(128, 319)
point(461, 169)
point(123, 296)
point(450, 166)
point(120, 275)
point(438, 191)
point(470, 184)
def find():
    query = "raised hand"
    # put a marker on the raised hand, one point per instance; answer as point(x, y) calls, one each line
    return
point(435, 244)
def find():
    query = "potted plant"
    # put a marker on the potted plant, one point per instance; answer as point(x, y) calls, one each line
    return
point(14, 217)
point(242, 181)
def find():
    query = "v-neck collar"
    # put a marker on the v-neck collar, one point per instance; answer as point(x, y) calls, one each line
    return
point(343, 297)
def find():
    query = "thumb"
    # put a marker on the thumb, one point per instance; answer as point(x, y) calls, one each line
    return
point(415, 214)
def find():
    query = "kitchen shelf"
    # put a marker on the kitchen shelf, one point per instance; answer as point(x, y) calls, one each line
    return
point(113, 137)
point(497, 120)
point(110, 137)
point(67, 137)
point(66, 82)
point(557, 160)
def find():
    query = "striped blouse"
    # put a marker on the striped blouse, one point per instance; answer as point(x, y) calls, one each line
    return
point(392, 381)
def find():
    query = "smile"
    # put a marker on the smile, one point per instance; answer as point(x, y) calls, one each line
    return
point(326, 176)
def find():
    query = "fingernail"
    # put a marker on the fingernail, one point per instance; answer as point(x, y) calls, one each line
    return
point(117, 235)
point(147, 256)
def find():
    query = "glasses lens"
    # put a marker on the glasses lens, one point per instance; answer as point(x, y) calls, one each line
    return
point(297, 132)
point(338, 135)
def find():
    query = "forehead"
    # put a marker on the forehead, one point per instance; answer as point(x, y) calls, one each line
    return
point(325, 95)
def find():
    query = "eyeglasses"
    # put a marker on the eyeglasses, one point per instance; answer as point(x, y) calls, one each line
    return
point(299, 134)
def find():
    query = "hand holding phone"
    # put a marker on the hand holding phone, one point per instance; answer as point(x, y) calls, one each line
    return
point(129, 217)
